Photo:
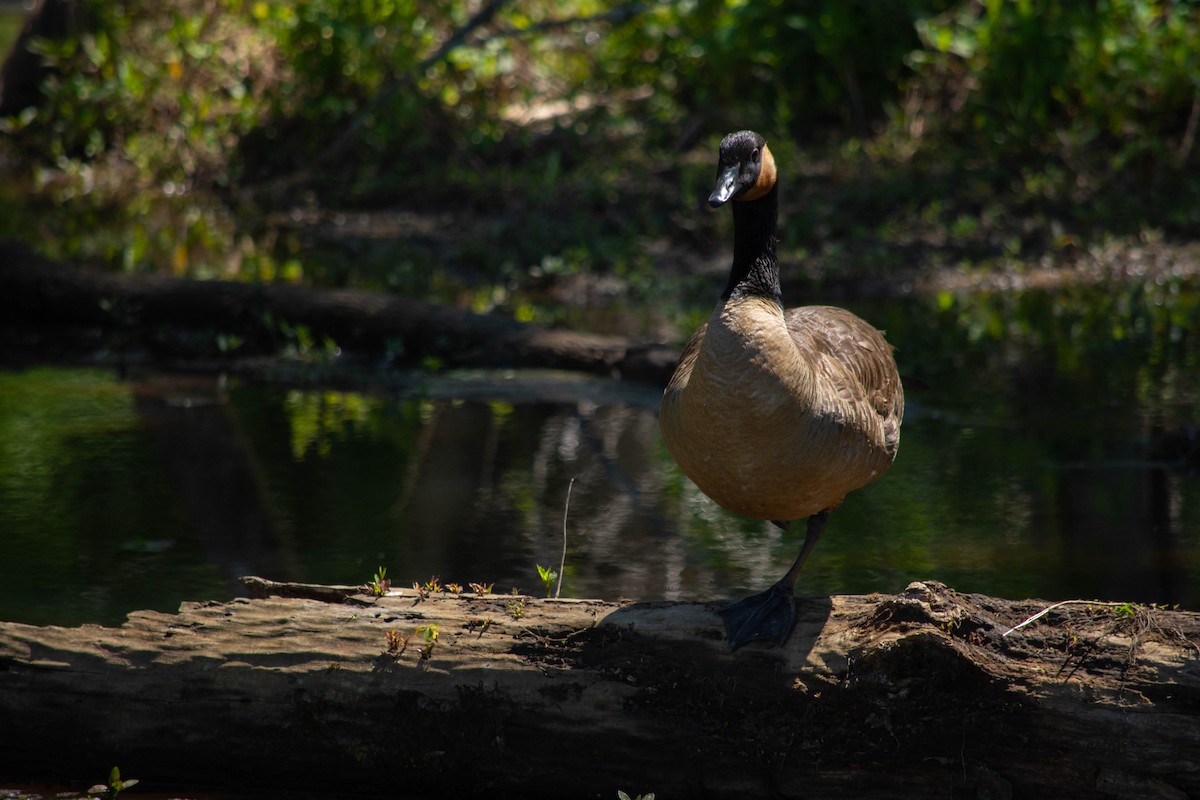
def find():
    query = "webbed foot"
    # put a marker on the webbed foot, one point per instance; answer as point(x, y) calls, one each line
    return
point(768, 615)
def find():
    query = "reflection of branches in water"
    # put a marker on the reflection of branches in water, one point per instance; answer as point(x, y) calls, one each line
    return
point(413, 469)
point(571, 443)
point(615, 537)
point(625, 536)
point(486, 486)
point(635, 544)
point(227, 501)
point(747, 548)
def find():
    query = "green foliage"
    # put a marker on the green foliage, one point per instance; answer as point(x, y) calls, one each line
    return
point(579, 120)
point(1059, 73)
point(166, 93)
point(784, 63)
point(622, 796)
point(335, 55)
point(182, 96)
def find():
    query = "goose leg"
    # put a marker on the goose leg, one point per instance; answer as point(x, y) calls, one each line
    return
point(771, 614)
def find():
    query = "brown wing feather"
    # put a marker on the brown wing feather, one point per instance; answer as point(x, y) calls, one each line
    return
point(828, 332)
point(687, 360)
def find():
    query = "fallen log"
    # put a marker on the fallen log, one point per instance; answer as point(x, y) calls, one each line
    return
point(916, 695)
point(152, 310)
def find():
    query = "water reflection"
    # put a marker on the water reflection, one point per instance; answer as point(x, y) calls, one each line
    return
point(142, 492)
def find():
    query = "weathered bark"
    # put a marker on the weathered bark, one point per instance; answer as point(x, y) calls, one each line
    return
point(917, 695)
point(36, 290)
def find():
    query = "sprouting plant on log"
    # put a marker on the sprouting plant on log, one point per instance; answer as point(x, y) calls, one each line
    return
point(548, 577)
point(516, 609)
point(379, 584)
point(622, 796)
point(396, 644)
point(482, 623)
point(114, 786)
point(429, 633)
point(454, 588)
point(482, 588)
point(429, 587)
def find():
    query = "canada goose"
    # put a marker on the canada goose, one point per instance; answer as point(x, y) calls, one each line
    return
point(777, 415)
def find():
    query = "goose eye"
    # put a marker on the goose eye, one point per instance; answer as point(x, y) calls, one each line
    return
point(755, 154)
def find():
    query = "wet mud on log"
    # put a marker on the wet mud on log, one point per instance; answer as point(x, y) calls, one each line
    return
point(151, 309)
point(915, 695)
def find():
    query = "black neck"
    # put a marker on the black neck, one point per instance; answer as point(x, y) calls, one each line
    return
point(755, 270)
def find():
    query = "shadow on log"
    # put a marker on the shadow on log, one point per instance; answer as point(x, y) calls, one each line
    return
point(912, 696)
point(158, 312)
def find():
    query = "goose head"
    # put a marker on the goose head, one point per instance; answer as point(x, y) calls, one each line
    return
point(745, 170)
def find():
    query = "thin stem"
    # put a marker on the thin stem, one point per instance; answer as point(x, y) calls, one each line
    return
point(1050, 608)
point(562, 563)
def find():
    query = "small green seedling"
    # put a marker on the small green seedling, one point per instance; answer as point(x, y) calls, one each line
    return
point(622, 796)
point(548, 577)
point(454, 588)
point(430, 634)
point(380, 584)
point(1127, 611)
point(114, 786)
point(516, 609)
point(482, 588)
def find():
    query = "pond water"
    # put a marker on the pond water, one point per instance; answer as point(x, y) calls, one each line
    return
point(1050, 449)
